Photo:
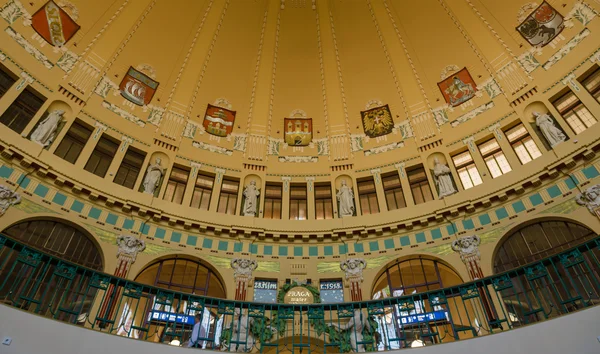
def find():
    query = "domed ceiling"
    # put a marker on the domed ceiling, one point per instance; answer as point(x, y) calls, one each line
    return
point(224, 80)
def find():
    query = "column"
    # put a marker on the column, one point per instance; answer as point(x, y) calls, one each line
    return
point(191, 183)
point(216, 192)
point(89, 147)
point(477, 159)
point(379, 189)
point(118, 158)
point(310, 198)
point(406, 190)
point(584, 96)
point(505, 146)
point(285, 198)
point(353, 267)
point(242, 275)
point(129, 247)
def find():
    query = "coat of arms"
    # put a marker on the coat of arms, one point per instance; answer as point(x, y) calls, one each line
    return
point(53, 24)
point(542, 25)
point(137, 87)
point(297, 131)
point(377, 121)
point(458, 88)
point(218, 121)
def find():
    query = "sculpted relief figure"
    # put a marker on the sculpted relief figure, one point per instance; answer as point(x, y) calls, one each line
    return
point(243, 267)
point(346, 198)
point(590, 198)
point(251, 194)
point(153, 175)
point(8, 198)
point(45, 132)
point(553, 135)
point(129, 246)
point(353, 267)
point(467, 246)
point(443, 179)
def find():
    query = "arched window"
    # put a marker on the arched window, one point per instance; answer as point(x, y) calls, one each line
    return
point(538, 241)
point(59, 239)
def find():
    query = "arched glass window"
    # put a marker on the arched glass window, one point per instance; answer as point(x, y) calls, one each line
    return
point(538, 241)
point(59, 239)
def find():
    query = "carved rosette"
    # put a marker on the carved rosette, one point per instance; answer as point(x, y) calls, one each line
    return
point(468, 248)
point(353, 267)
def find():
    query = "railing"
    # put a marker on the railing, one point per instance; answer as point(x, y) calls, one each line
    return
point(47, 286)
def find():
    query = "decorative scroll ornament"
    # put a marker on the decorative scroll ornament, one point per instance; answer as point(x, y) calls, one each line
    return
point(449, 69)
point(243, 268)
point(129, 247)
point(353, 267)
point(8, 198)
point(467, 247)
point(590, 198)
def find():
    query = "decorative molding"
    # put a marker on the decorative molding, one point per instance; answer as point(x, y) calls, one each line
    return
point(256, 72)
point(322, 146)
point(239, 141)
point(448, 70)
point(212, 148)
point(528, 60)
point(67, 61)
point(274, 146)
point(384, 148)
point(491, 87)
point(525, 11)
point(242, 269)
point(8, 198)
point(124, 114)
point(29, 48)
point(566, 49)
point(104, 86)
point(357, 142)
point(472, 114)
point(299, 159)
point(581, 12)
point(12, 10)
point(590, 198)
point(129, 247)
point(405, 128)
point(156, 115)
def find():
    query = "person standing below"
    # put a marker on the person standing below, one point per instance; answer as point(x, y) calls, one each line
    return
point(195, 337)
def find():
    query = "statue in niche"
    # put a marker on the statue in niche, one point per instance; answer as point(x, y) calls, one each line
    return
point(590, 198)
point(359, 323)
point(553, 135)
point(154, 174)
point(8, 198)
point(45, 132)
point(346, 198)
point(443, 177)
point(251, 194)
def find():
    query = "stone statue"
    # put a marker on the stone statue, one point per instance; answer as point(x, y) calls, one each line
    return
point(153, 175)
point(129, 247)
point(467, 247)
point(346, 198)
point(8, 198)
point(353, 267)
point(241, 335)
point(251, 194)
point(553, 135)
point(590, 198)
point(45, 132)
point(243, 268)
point(443, 179)
point(359, 323)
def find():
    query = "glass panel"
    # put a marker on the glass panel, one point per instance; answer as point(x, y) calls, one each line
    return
point(22, 110)
point(489, 147)
point(517, 132)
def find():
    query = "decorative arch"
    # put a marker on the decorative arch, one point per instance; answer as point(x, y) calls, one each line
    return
point(184, 273)
point(60, 238)
point(537, 239)
point(414, 274)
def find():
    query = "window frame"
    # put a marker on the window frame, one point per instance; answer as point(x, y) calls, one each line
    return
point(230, 205)
point(370, 195)
point(393, 191)
point(203, 189)
point(323, 201)
point(467, 167)
point(103, 155)
point(298, 201)
point(419, 184)
point(126, 164)
point(177, 182)
point(75, 140)
point(522, 140)
point(269, 212)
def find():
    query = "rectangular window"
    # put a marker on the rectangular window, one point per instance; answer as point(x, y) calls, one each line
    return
point(368, 196)
point(494, 158)
point(332, 291)
point(6, 80)
point(203, 191)
point(419, 185)
point(228, 196)
point(394, 196)
point(265, 291)
point(323, 201)
point(574, 112)
point(74, 141)
point(298, 202)
point(102, 156)
point(273, 196)
point(522, 143)
point(22, 110)
point(130, 168)
point(467, 171)
point(176, 185)
point(592, 83)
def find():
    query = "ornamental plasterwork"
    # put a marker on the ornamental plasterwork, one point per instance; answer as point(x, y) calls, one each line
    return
point(472, 114)
point(491, 87)
point(274, 146)
point(467, 247)
point(243, 268)
point(298, 159)
point(353, 268)
point(440, 116)
point(566, 49)
point(124, 114)
point(104, 87)
point(29, 48)
point(581, 12)
point(298, 113)
point(8, 198)
point(73, 11)
point(212, 148)
point(384, 148)
point(449, 69)
point(223, 103)
point(148, 69)
point(322, 146)
point(525, 10)
point(357, 142)
point(239, 141)
point(129, 247)
point(12, 10)
point(156, 115)
point(190, 129)
point(67, 61)
point(405, 129)
point(590, 198)
point(373, 104)
point(528, 60)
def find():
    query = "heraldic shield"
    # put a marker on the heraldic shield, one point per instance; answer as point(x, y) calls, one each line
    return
point(53, 24)
point(137, 87)
point(218, 121)
point(377, 121)
point(542, 25)
point(458, 88)
point(297, 131)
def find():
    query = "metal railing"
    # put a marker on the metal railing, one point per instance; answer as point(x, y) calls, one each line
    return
point(47, 286)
